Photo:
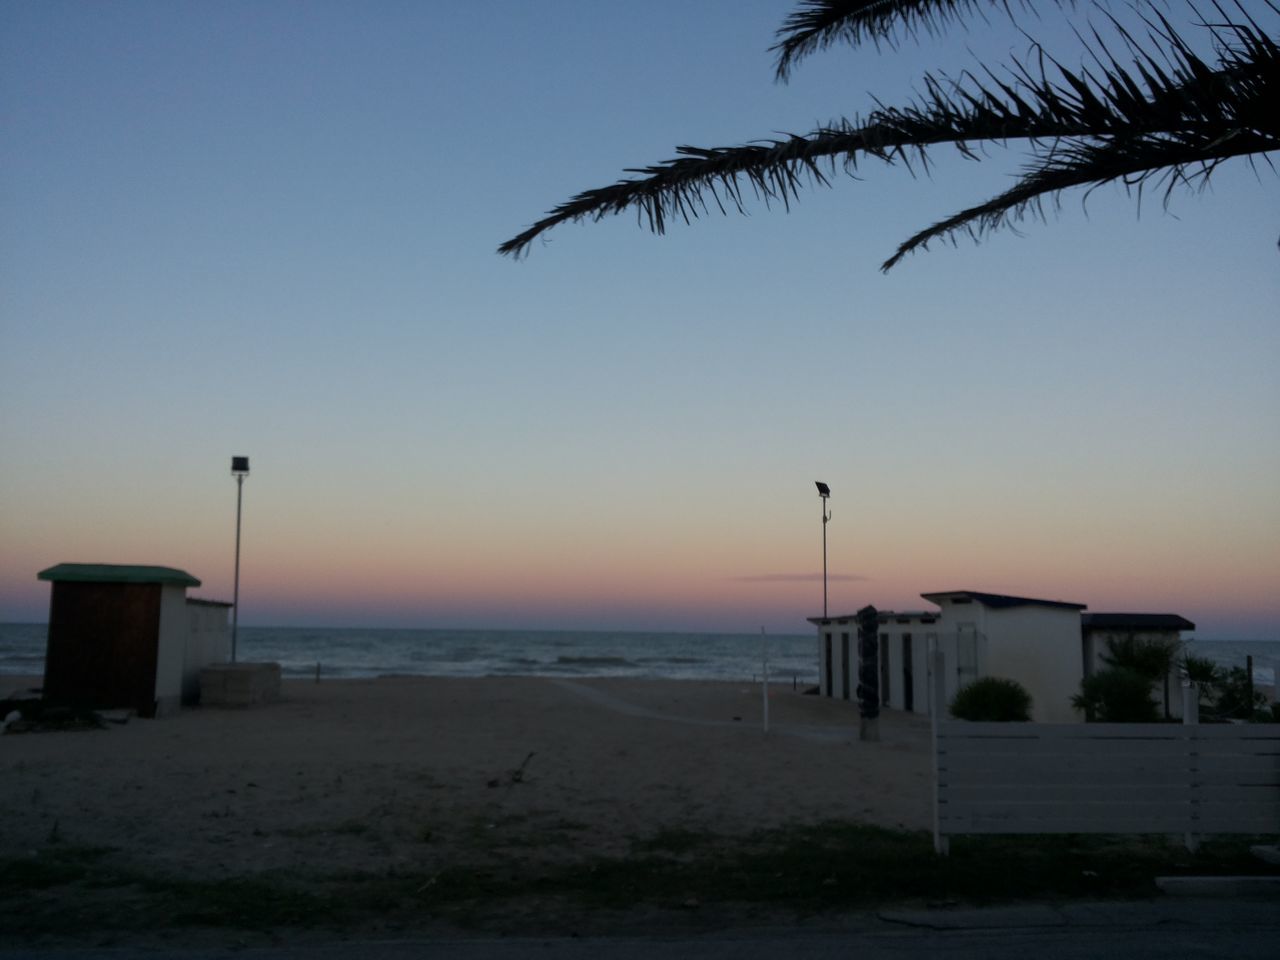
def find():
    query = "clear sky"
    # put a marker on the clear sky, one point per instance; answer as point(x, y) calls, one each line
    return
point(269, 229)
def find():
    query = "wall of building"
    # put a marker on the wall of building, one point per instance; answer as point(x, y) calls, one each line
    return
point(905, 670)
point(838, 673)
point(171, 648)
point(208, 643)
point(1040, 647)
point(101, 649)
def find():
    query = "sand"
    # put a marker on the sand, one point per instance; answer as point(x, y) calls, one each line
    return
point(427, 772)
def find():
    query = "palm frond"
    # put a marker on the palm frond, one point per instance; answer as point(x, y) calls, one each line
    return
point(1191, 120)
point(818, 24)
point(1172, 115)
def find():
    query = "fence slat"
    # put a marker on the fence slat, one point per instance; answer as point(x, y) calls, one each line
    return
point(1130, 825)
point(1026, 769)
point(987, 747)
point(1243, 807)
point(1239, 732)
point(1106, 778)
point(1034, 793)
point(1067, 731)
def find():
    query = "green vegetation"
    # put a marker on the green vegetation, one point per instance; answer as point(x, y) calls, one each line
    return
point(1235, 699)
point(1148, 657)
point(992, 699)
point(69, 891)
point(1145, 111)
point(1203, 673)
point(1225, 694)
point(1116, 695)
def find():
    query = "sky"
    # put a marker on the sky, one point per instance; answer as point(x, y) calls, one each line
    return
point(269, 229)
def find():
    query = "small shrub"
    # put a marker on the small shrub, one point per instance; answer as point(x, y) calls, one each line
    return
point(992, 699)
point(1116, 695)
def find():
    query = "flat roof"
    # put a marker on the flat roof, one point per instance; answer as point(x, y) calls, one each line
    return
point(881, 615)
point(1135, 621)
point(999, 601)
point(116, 573)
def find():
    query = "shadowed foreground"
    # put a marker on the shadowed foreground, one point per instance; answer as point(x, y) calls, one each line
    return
point(507, 804)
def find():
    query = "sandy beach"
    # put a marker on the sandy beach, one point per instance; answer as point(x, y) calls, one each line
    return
point(423, 773)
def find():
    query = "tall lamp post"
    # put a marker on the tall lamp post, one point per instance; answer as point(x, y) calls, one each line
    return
point(823, 493)
point(239, 470)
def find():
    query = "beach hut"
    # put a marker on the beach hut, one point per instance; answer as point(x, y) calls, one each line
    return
point(118, 636)
point(1099, 628)
point(1036, 642)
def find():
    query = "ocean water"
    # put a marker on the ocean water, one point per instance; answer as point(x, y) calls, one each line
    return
point(354, 652)
point(1233, 653)
point(348, 652)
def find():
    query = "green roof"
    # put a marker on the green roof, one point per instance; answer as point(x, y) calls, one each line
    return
point(116, 573)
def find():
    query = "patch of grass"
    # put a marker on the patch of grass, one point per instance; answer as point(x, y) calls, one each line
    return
point(850, 866)
point(54, 866)
point(242, 903)
point(803, 869)
point(674, 840)
point(349, 828)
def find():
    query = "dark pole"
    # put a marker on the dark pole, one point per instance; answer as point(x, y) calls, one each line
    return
point(239, 470)
point(824, 491)
point(235, 602)
point(825, 518)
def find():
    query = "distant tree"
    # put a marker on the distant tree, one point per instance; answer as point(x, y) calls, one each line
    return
point(1158, 114)
point(992, 699)
point(1236, 699)
point(1151, 657)
point(1116, 695)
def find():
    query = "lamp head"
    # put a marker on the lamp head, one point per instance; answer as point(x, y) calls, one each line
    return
point(823, 490)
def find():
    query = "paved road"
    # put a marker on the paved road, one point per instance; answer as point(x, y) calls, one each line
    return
point(1155, 930)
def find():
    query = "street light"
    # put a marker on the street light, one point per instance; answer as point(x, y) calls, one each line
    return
point(823, 493)
point(239, 470)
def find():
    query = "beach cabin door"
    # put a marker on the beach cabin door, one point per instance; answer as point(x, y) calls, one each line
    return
point(844, 665)
point(966, 653)
point(908, 683)
point(827, 663)
point(884, 669)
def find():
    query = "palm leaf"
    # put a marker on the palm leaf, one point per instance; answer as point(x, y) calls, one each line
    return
point(1172, 116)
point(818, 24)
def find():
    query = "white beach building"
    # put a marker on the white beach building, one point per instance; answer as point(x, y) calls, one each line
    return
point(1040, 643)
point(1098, 629)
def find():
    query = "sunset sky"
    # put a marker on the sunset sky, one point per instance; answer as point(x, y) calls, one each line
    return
point(269, 229)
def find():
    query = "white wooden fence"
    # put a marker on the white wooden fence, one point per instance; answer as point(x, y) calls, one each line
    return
point(1187, 778)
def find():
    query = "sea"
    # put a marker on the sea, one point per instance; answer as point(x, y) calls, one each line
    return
point(359, 652)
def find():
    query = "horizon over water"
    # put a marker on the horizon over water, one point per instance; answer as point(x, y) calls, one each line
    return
point(350, 652)
point(473, 652)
